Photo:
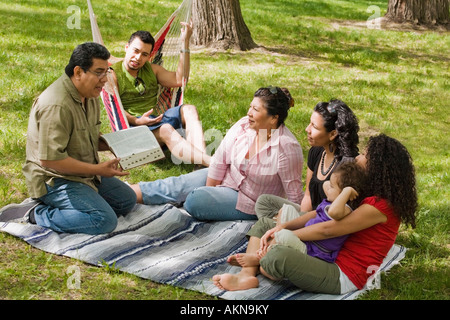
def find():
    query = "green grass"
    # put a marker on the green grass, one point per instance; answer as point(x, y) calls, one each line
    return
point(396, 82)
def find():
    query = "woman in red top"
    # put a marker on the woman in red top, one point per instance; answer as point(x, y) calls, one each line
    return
point(373, 228)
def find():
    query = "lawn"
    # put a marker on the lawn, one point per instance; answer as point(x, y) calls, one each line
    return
point(396, 82)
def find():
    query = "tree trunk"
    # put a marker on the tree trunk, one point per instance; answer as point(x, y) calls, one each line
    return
point(219, 24)
point(427, 12)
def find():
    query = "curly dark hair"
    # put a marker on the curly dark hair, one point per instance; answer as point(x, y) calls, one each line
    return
point(277, 101)
point(391, 176)
point(352, 175)
point(338, 116)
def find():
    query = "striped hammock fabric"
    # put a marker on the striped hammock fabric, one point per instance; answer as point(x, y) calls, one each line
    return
point(166, 53)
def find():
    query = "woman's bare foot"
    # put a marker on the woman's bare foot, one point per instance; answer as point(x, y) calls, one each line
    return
point(244, 260)
point(234, 282)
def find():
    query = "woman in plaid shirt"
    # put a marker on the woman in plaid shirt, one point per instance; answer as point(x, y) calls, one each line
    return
point(259, 155)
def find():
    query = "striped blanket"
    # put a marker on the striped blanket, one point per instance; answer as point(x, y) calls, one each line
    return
point(166, 245)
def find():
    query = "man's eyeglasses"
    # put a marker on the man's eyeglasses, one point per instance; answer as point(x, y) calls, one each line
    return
point(140, 85)
point(100, 75)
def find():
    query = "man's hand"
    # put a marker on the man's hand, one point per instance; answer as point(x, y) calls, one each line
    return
point(111, 168)
point(145, 120)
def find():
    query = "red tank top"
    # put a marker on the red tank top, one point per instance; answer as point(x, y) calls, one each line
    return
point(364, 250)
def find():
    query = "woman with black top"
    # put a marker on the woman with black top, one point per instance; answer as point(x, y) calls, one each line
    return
point(333, 137)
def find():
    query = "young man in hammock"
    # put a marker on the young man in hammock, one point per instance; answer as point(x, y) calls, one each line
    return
point(137, 80)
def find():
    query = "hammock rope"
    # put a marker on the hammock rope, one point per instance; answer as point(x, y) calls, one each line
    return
point(166, 53)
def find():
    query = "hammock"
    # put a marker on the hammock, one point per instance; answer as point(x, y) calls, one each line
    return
point(166, 53)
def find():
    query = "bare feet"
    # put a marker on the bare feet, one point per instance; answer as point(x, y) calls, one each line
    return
point(233, 260)
point(234, 282)
point(244, 260)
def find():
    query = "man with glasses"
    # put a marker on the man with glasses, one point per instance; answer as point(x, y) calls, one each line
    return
point(72, 190)
point(137, 80)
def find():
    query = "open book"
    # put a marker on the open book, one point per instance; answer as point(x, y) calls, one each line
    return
point(134, 146)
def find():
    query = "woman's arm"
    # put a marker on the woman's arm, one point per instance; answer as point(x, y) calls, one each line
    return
point(306, 202)
point(290, 164)
point(221, 159)
point(299, 222)
point(362, 218)
point(211, 182)
point(290, 225)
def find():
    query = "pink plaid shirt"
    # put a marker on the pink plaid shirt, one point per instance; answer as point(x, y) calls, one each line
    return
point(276, 169)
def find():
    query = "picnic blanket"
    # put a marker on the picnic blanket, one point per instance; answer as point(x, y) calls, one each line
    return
point(166, 245)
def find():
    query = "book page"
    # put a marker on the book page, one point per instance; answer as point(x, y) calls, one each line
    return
point(135, 146)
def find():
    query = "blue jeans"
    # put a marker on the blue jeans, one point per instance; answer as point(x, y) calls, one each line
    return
point(203, 203)
point(172, 190)
point(172, 116)
point(74, 207)
point(215, 203)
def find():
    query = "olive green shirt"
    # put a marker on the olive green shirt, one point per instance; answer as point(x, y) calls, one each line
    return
point(60, 126)
point(133, 102)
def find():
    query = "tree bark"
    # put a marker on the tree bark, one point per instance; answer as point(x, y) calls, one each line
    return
point(219, 24)
point(426, 12)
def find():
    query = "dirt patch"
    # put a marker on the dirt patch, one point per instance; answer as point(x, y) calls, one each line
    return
point(385, 24)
